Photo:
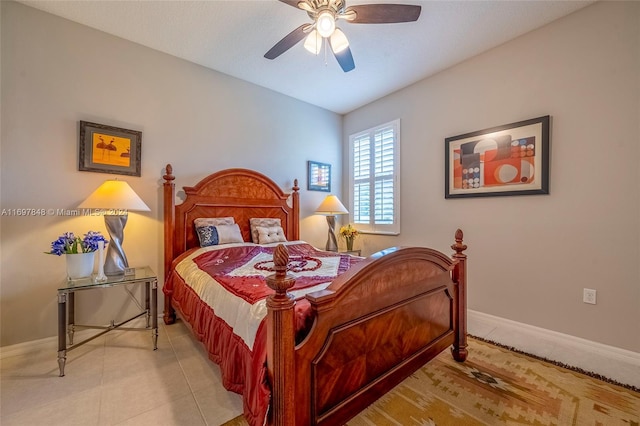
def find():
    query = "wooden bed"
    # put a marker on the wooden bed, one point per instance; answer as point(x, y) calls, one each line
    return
point(373, 326)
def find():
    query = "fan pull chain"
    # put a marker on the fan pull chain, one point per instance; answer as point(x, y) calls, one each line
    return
point(324, 44)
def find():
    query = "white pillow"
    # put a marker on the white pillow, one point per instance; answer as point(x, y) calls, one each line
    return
point(222, 234)
point(266, 222)
point(273, 234)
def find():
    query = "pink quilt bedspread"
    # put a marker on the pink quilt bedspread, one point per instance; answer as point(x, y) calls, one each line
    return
point(241, 270)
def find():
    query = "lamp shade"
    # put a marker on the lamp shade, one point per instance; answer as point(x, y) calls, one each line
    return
point(116, 195)
point(331, 206)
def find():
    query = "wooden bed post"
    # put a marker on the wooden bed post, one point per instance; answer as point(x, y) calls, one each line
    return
point(281, 341)
point(296, 211)
point(169, 228)
point(459, 276)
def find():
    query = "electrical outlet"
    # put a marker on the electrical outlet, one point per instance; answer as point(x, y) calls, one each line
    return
point(589, 296)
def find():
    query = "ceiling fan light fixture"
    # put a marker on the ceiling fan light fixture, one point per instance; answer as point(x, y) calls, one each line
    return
point(326, 23)
point(338, 41)
point(313, 42)
point(324, 14)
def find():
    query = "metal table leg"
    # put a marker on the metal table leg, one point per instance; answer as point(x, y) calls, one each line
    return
point(147, 285)
point(62, 332)
point(71, 316)
point(154, 313)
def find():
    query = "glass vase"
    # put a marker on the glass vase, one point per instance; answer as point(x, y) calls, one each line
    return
point(349, 243)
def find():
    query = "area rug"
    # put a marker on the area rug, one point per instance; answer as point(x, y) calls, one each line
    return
point(498, 386)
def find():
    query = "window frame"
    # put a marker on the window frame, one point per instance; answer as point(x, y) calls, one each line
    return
point(372, 228)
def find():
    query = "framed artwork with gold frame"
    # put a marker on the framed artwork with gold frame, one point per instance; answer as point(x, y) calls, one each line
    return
point(108, 149)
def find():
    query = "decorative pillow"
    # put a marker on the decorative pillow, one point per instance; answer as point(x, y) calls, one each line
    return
point(222, 234)
point(265, 222)
point(273, 234)
point(213, 221)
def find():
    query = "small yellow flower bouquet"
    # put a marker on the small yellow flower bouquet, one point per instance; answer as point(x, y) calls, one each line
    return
point(349, 233)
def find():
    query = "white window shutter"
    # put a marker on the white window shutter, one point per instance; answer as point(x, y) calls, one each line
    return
point(374, 184)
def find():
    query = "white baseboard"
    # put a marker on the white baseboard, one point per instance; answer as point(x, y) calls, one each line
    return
point(615, 363)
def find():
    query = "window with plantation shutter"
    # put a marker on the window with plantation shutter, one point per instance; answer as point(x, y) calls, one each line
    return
point(373, 179)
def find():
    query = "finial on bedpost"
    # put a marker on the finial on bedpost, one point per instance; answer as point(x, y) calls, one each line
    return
point(280, 281)
point(295, 222)
point(459, 277)
point(169, 173)
point(281, 340)
point(459, 247)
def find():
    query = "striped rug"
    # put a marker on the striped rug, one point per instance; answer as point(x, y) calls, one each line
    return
point(498, 386)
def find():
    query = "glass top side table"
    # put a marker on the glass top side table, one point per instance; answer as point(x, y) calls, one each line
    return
point(66, 308)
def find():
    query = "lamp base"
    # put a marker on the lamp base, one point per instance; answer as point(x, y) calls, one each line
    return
point(332, 244)
point(115, 261)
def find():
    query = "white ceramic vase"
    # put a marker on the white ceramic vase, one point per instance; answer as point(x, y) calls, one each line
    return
point(79, 265)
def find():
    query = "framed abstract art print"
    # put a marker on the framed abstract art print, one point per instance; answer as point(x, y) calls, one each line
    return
point(512, 159)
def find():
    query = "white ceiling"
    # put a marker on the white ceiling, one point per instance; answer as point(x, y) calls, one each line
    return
point(232, 36)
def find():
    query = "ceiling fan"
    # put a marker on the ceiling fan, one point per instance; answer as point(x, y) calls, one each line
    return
point(325, 13)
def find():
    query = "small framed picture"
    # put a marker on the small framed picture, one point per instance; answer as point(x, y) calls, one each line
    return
point(108, 149)
point(319, 176)
point(512, 159)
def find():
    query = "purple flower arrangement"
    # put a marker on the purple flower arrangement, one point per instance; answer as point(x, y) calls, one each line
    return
point(68, 243)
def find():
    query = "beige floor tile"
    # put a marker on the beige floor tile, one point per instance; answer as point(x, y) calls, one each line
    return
point(33, 381)
point(217, 405)
point(126, 357)
point(135, 394)
point(174, 330)
point(199, 370)
point(180, 412)
point(79, 409)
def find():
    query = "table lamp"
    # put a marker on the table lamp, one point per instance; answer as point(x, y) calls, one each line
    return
point(330, 207)
point(116, 198)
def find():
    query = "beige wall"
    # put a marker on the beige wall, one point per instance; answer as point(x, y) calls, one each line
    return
point(530, 257)
point(55, 73)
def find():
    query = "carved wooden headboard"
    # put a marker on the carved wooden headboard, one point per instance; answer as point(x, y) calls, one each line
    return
point(241, 193)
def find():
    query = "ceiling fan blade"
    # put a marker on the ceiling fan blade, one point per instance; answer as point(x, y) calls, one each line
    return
point(382, 13)
point(345, 59)
point(293, 3)
point(288, 41)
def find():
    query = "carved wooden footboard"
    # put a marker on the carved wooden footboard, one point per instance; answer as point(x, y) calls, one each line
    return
point(374, 326)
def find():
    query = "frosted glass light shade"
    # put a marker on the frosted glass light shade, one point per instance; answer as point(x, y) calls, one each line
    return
point(114, 195)
point(326, 24)
point(313, 42)
point(331, 206)
point(339, 41)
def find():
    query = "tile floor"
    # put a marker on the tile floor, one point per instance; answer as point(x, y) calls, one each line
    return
point(117, 379)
